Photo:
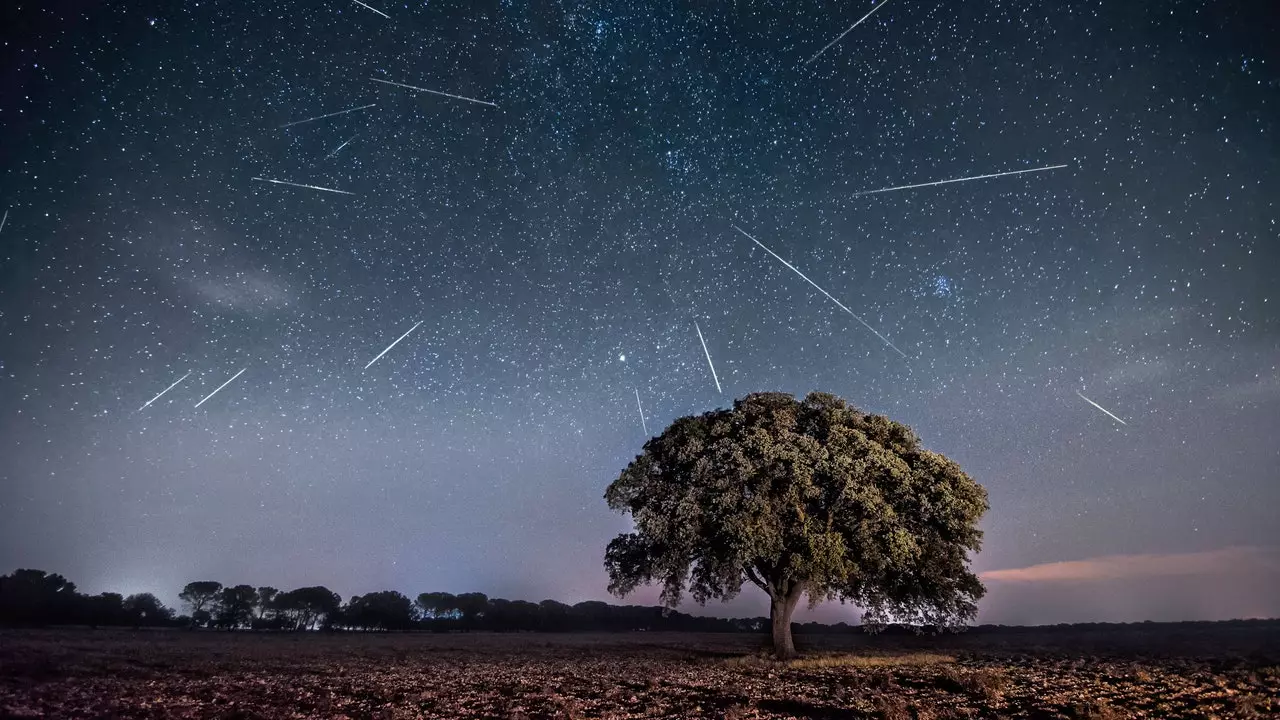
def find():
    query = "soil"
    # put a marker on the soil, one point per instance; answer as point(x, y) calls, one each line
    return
point(1207, 671)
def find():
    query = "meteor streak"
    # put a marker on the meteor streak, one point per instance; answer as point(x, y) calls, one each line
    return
point(956, 180)
point(824, 292)
point(1108, 412)
point(384, 352)
point(435, 92)
point(310, 187)
point(162, 392)
point(215, 392)
point(643, 424)
point(846, 32)
point(708, 354)
point(335, 150)
point(321, 117)
point(5, 220)
point(372, 8)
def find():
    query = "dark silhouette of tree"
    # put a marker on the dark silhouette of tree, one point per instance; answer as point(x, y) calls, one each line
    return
point(235, 606)
point(146, 609)
point(511, 615)
point(104, 609)
point(309, 607)
point(554, 615)
point(201, 596)
point(264, 598)
point(472, 607)
point(386, 610)
point(438, 605)
point(800, 497)
point(34, 597)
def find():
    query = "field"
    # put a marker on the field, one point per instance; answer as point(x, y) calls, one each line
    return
point(1200, 671)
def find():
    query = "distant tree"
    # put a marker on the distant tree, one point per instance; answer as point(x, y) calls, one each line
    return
point(308, 607)
point(554, 615)
point(201, 596)
point(35, 597)
point(104, 609)
point(509, 615)
point(592, 615)
point(146, 609)
point(438, 605)
point(235, 606)
point(264, 597)
point(800, 497)
point(386, 610)
point(472, 607)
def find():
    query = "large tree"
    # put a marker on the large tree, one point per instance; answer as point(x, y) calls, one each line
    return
point(811, 497)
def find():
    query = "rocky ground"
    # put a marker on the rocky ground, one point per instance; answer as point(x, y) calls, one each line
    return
point(1231, 673)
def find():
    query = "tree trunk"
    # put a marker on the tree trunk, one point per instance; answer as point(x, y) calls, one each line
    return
point(780, 610)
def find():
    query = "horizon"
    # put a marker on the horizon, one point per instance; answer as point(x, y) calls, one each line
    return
point(303, 294)
point(828, 613)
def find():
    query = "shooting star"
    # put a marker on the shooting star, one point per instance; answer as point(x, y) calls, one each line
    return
point(5, 220)
point(1108, 412)
point(708, 354)
point(384, 352)
point(335, 150)
point(372, 8)
point(162, 392)
point(435, 92)
point(321, 117)
point(824, 292)
point(643, 424)
point(846, 32)
point(956, 180)
point(215, 392)
point(310, 187)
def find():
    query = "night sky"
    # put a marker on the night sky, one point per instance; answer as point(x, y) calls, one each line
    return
point(555, 243)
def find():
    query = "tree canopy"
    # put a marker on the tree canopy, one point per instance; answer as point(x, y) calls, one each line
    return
point(811, 497)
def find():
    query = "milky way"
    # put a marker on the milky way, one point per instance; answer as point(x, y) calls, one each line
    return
point(556, 210)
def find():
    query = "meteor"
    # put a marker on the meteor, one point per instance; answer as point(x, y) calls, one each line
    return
point(384, 352)
point(162, 392)
point(708, 354)
point(372, 8)
point(643, 424)
point(5, 220)
point(337, 149)
point(215, 392)
point(824, 292)
point(846, 32)
point(435, 92)
point(321, 117)
point(956, 180)
point(309, 187)
point(1108, 412)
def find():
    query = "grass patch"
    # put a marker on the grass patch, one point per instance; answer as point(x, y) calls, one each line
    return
point(839, 660)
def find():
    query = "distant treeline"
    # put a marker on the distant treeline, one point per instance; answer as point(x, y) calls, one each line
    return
point(37, 598)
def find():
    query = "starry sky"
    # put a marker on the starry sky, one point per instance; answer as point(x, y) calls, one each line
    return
point(552, 234)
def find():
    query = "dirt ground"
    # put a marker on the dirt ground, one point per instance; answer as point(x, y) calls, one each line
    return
point(1221, 671)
